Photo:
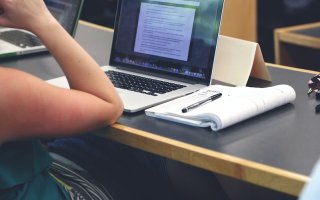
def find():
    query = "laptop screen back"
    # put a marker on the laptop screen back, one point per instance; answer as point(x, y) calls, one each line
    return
point(176, 37)
point(67, 12)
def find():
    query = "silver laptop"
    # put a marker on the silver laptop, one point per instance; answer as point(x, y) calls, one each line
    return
point(161, 50)
point(15, 42)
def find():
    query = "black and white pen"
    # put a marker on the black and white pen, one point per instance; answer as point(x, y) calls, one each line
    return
point(197, 104)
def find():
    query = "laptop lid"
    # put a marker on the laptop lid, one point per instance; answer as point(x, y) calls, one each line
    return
point(163, 40)
point(67, 12)
point(173, 38)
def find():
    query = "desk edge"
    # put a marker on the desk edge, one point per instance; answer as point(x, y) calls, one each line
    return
point(259, 174)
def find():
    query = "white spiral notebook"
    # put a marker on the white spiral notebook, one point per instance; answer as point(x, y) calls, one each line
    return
point(235, 105)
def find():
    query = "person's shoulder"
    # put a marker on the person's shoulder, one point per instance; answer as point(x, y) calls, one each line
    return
point(17, 91)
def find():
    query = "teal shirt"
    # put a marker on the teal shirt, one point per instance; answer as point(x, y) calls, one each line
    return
point(24, 173)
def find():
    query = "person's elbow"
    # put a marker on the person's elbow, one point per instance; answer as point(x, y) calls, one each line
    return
point(117, 110)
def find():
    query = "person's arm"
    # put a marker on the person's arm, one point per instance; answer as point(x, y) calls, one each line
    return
point(29, 106)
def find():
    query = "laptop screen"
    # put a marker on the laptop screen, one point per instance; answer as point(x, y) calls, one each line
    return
point(66, 12)
point(176, 37)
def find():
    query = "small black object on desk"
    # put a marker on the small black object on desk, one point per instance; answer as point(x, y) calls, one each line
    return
point(314, 84)
point(318, 95)
point(317, 108)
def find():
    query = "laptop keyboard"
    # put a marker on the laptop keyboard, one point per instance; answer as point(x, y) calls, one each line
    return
point(141, 84)
point(19, 38)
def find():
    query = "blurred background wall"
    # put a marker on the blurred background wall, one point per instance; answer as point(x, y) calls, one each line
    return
point(268, 14)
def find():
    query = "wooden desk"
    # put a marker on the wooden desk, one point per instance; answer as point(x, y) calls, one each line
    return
point(264, 150)
point(276, 150)
point(229, 152)
point(298, 46)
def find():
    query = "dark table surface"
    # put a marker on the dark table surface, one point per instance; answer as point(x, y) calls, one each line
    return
point(286, 137)
point(312, 32)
